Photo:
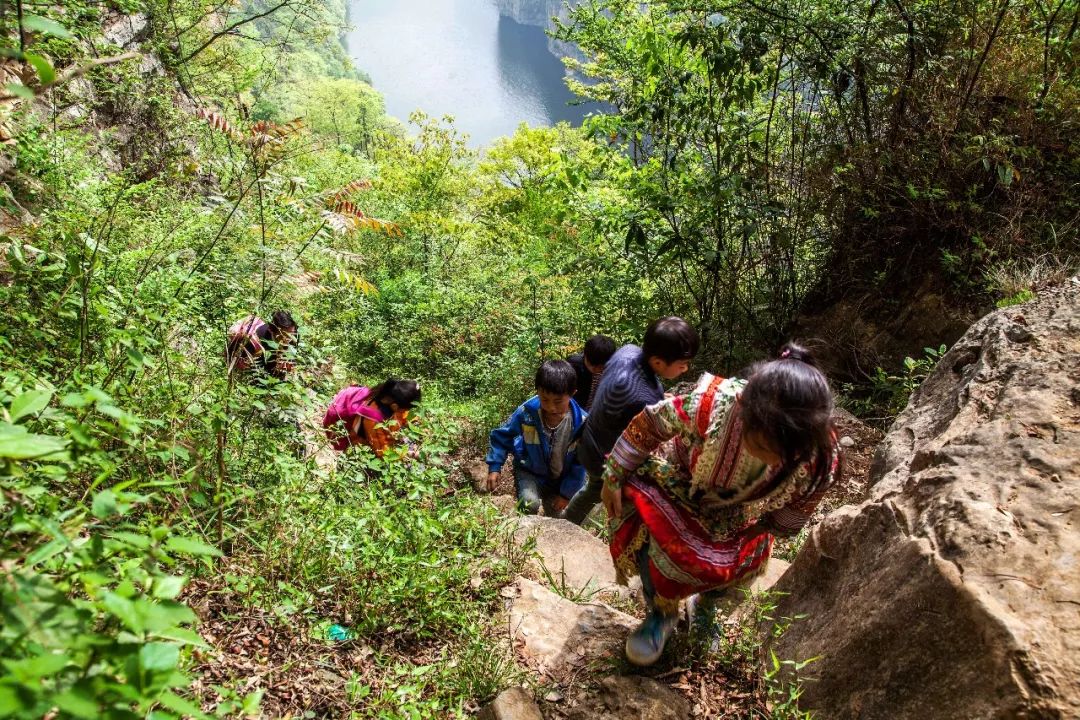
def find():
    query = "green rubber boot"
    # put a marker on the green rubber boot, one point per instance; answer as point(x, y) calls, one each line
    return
point(646, 644)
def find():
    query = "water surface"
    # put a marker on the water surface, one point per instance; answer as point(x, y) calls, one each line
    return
point(460, 58)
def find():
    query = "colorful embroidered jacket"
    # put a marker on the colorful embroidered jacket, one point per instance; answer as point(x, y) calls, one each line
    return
point(249, 345)
point(523, 436)
point(706, 471)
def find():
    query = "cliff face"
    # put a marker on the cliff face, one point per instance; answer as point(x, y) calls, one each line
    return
point(952, 592)
point(532, 12)
point(539, 13)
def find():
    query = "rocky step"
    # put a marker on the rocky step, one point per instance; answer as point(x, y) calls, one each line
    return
point(567, 645)
point(514, 703)
point(569, 559)
point(557, 637)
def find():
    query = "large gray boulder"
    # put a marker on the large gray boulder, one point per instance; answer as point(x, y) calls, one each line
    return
point(557, 637)
point(575, 560)
point(954, 590)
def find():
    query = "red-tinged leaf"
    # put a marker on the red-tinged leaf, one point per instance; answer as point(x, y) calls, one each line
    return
point(217, 122)
point(353, 187)
point(290, 128)
point(345, 207)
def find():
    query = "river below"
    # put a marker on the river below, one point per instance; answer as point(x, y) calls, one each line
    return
point(460, 58)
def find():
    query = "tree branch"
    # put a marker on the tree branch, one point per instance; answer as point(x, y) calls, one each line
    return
point(228, 30)
point(75, 72)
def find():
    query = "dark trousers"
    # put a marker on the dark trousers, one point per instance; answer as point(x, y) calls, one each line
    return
point(584, 500)
point(532, 493)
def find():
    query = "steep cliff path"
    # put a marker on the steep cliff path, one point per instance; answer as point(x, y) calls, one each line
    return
point(567, 620)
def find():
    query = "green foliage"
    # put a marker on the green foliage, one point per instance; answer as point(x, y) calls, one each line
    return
point(1021, 297)
point(91, 624)
point(887, 394)
point(702, 207)
point(786, 154)
point(752, 155)
point(783, 688)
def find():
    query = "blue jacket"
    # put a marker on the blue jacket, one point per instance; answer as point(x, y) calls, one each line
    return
point(523, 436)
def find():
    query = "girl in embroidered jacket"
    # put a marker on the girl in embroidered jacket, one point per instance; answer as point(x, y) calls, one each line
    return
point(698, 485)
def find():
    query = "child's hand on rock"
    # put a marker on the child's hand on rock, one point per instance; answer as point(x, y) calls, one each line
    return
point(492, 481)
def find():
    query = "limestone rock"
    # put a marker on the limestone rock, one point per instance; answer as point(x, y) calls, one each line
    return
point(733, 603)
point(575, 558)
point(512, 704)
point(126, 30)
point(632, 697)
point(954, 590)
point(539, 13)
point(558, 637)
point(477, 472)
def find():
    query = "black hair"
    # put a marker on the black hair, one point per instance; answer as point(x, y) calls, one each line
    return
point(406, 393)
point(670, 339)
point(556, 376)
point(282, 320)
point(789, 401)
point(599, 349)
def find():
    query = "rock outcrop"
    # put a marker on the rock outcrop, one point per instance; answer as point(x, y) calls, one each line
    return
point(575, 559)
point(539, 13)
point(632, 697)
point(954, 590)
point(558, 637)
point(512, 704)
point(567, 644)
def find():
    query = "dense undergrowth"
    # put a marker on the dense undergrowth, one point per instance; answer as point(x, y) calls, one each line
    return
point(150, 199)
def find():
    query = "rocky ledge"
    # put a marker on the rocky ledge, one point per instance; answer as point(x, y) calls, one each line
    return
point(954, 590)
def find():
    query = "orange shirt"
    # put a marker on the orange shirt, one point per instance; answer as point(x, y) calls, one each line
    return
point(380, 435)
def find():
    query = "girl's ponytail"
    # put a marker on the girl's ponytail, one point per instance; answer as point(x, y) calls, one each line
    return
point(789, 401)
point(795, 351)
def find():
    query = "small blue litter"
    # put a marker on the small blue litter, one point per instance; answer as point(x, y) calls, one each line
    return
point(339, 633)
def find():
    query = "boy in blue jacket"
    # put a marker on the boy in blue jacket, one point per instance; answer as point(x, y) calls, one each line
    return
point(541, 434)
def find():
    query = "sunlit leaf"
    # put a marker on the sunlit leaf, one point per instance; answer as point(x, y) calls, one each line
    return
point(190, 546)
point(44, 68)
point(20, 90)
point(29, 403)
point(45, 26)
point(19, 444)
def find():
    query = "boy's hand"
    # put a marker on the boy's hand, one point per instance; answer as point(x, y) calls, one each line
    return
point(612, 499)
point(492, 481)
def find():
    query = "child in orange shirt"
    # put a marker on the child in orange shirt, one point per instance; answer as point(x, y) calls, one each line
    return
point(370, 416)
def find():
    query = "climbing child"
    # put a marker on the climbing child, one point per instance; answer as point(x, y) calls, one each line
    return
point(748, 459)
point(589, 366)
point(631, 381)
point(540, 435)
point(370, 416)
point(256, 343)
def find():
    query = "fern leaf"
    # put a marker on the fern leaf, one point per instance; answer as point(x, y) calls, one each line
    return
point(341, 224)
point(217, 122)
point(353, 187)
point(355, 281)
point(290, 128)
point(384, 226)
